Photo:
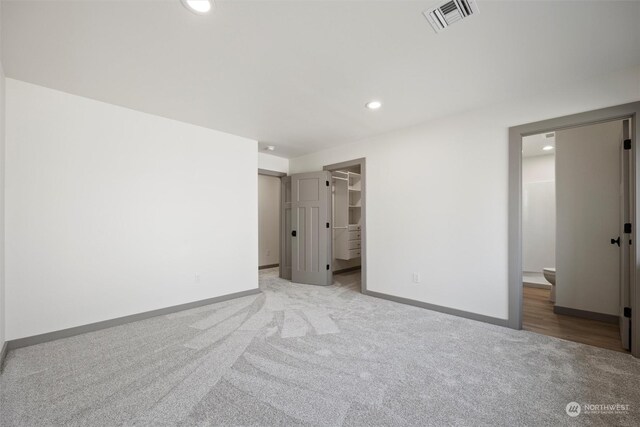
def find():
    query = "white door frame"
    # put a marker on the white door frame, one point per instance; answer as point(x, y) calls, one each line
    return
point(516, 133)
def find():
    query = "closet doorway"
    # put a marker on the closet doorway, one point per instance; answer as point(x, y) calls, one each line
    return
point(348, 184)
point(269, 218)
point(323, 227)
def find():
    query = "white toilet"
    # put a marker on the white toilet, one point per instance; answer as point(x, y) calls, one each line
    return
point(550, 275)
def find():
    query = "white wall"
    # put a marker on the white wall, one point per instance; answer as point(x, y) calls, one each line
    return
point(111, 212)
point(437, 195)
point(539, 168)
point(538, 213)
point(588, 214)
point(268, 220)
point(273, 163)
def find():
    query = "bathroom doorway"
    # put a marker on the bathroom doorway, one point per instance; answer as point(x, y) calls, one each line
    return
point(574, 229)
point(571, 213)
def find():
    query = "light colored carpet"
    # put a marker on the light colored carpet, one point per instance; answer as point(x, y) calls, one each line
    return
point(309, 355)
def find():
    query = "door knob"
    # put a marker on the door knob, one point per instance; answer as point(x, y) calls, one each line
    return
point(616, 241)
point(294, 234)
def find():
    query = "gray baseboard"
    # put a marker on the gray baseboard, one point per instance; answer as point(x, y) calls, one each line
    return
point(439, 308)
point(536, 285)
point(348, 270)
point(264, 267)
point(591, 315)
point(83, 329)
point(3, 354)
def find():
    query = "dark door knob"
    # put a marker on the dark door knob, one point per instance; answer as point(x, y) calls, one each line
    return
point(294, 234)
point(616, 241)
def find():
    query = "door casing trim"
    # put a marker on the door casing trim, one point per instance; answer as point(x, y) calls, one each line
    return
point(271, 173)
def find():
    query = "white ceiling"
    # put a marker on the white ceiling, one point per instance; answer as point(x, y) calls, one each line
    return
point(532, 145)
point(296, 74)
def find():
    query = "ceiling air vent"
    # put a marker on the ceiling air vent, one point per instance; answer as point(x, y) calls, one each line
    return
point(450, 12)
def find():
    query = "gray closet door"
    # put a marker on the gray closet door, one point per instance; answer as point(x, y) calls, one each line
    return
point(285, 228)
point(311, 228)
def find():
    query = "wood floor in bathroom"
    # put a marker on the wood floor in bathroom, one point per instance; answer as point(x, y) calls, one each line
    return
point(538, 316)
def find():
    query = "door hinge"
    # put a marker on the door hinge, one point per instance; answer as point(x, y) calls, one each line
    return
point(327, 183)
point(327, 266)
point(627, 144)
point(627, 312)
point(327, 225)
point(627, 228)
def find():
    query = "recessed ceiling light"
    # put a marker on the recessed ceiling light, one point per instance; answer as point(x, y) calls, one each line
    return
point(547, 147)
point(270, 148)
point(198, 6)
point(373, 105)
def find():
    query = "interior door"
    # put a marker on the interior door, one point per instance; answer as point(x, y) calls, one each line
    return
point(310, 228)
point(625, 234)
point(588, 214)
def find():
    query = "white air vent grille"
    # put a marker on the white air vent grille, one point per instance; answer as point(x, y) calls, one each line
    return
point(445, 14)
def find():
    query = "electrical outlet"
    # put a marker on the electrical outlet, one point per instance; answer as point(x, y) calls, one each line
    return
point(196, 278)
point(268, 252)
point(416, 277)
